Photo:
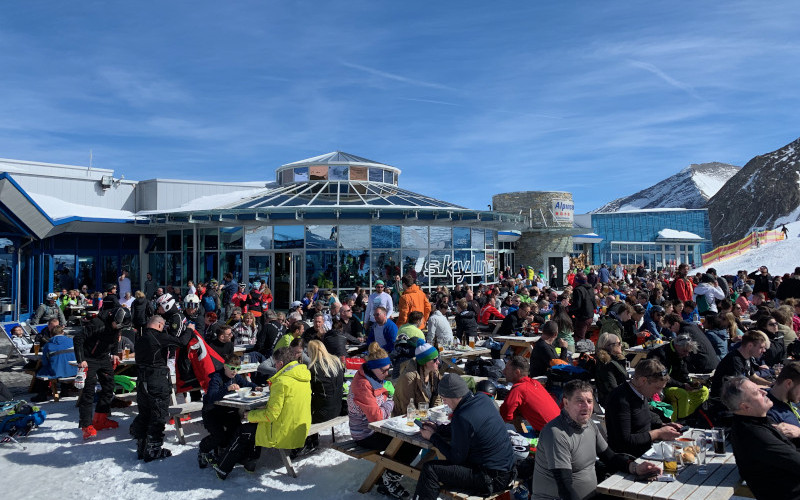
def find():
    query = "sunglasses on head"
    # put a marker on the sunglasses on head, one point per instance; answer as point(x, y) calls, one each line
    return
point(233, 368)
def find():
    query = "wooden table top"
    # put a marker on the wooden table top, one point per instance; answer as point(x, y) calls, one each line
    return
point(246, 403)
point(519, 340)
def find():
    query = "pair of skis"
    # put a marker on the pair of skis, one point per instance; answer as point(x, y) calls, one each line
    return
point(16, 432)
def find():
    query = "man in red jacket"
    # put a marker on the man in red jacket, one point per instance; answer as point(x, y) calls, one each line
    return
point(528, 399)
point(682, 285)
point(413, 299)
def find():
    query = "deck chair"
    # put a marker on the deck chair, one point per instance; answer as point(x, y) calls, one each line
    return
point(11, 351)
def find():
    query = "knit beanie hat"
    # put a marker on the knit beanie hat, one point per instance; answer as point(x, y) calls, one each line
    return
point(425, 352)
point(452, 386)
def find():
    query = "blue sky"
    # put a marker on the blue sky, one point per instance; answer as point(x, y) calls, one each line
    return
point(468, 98)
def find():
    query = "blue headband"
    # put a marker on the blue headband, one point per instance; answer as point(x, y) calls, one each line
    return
point(378, 363)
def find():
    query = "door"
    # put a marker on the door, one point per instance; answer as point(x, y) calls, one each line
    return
point(285, 283)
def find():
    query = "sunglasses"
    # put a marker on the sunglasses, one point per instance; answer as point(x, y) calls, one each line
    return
point(386, 370)
point(772, 323)
point(233, 368)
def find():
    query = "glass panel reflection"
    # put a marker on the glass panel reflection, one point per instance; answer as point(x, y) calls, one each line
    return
point(386, 265)
point(258, 238)
point(415, 236)
point(321, 269)
point(321, 236)
point(461, 237)
point(353, 269)
point(353, 236)
point(385, 236)
point(289, 236)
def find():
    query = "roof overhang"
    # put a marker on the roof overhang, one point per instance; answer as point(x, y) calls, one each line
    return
point(587, 238)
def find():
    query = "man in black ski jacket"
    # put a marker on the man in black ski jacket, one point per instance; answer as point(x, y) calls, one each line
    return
point(95, 351)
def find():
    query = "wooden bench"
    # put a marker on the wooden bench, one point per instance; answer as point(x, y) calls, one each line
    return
point(353, 449)
point(52, 383)
point(314, 429)
point(175, 411)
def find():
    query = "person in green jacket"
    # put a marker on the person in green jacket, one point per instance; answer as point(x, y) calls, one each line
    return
point(412, 328)
point(284, 423)
point(296, 330)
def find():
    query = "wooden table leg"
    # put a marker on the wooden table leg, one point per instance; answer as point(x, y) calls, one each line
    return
point(378, 469)
point(638, 357)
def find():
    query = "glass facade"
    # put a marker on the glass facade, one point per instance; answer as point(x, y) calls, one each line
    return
point(632, 237)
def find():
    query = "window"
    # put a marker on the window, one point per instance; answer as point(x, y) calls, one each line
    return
point(358, 173)
point(258, 238)
point(354, 236)
point(415, 237)
point(385, 236)
point(321, 236)
point(337, 173)
point(231, 262)
point(386, 265)
point(387, 176)
point(441, 238)
point(301, 174)
point(209, 240)
point(321, 269)
point(318, 173)
point(461, 237)
point(289, 237)
point(353, 269)
point(375, 175)
point(231, 238)
point(478, 240)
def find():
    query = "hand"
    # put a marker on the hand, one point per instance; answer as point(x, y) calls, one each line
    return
point(647, 469)
point(115, 359)
point(563, 343)
point(427, 430)
point(233, 387)
point(788, 430)
point(666, 433)
point(83, 364)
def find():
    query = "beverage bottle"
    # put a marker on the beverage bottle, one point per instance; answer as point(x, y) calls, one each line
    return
point(80, 378)
point(411, 411)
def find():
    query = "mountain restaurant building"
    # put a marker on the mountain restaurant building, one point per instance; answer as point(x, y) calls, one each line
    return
point(337, 221)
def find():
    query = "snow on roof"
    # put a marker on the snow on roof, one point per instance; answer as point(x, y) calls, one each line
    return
point(211, 202)
point(637, 210)
point(58, 209)
point(674, 234)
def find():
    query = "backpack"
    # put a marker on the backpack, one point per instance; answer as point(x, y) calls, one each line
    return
point(483, 368)
point(209, 304)
point(589, 363)
point(702, 304)
point(559, 375)
point(18, 417)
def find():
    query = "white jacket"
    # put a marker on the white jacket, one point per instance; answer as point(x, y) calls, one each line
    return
point(439, 328)
point(712, 293)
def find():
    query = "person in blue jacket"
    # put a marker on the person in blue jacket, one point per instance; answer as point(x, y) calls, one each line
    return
point(479, 456)
point(221, 422)
point(383, 330)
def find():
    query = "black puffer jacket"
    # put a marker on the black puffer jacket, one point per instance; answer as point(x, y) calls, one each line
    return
point(141, 310)
point(326, 394)
point(335, 342)
point(466, 324)
point(95, 341)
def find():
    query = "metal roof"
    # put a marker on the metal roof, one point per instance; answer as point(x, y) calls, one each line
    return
point(336, 158)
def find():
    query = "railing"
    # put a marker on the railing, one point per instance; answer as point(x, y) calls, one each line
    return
point(752, 240)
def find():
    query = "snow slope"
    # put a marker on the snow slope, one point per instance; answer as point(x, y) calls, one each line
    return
point(690, 188)
point(780, 257)
point(58, 464)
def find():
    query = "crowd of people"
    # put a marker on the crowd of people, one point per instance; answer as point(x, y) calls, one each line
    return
point(741, 328)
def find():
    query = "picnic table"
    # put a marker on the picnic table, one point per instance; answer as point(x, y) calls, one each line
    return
point(718, 483)
point(522, 346)
point(639, 353)
point(451, 357)
point(386, 460)
point(246, 403)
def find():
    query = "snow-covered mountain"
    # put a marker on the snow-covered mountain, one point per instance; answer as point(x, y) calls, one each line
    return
point(764, 194)
point(690, 188)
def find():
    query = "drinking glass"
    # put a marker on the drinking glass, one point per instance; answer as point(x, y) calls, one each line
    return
point(36, 348)
point(718, 435)
point(422, 409)
point(672, 457)
point(701, 443)
point(410, 416)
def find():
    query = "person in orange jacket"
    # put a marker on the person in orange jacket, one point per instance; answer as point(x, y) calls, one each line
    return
point(413, 299)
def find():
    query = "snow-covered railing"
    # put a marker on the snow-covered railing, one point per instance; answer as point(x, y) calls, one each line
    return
point(752, 240)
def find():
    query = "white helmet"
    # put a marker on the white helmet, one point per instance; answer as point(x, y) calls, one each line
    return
point(52, 296)
point(166, 301)
point(191, 300)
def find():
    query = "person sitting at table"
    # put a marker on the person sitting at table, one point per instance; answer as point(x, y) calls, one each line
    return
point(704, 360)
point(614, 322)
point(527, 399)
point(351, 327)
point(544, 351)
point(209, 326)
point(785, 394)
point(221, 340)
point(766, 459)
point(632, 427)
point(738, 362)
point(420, 382)
point(382, 330)
point(327, 388)
point(488, 313)
point(611, 371)
point(268, 336)
point(412, 329)
point(283, 424)
point(568, 445)
point(43, 336)
point(221, 422)
point(56, 356)
point(368, 402)
point(294, 331)
point(515, 321)
point(236, 316)
point(479, 457)
point(439, 329)
point(246, 330)
point(317, 330)
point(466, 322)
point(20, 339)
point(684, 395)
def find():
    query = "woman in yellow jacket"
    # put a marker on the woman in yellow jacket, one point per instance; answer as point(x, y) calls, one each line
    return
point(284, 423)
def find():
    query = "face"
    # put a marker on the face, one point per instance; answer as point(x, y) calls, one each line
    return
point(522, 313)
point(159, 326)
point(793, 392)
point(756, 349)
point(382, 373)
point(512, 374)
point(380, 316)
point(230, 372)
point(772, 326)
point(677, 307)
point(236, 316)
point(378, 288)
point(225, 336)
point(755, 400)
point(737, 310)
point(682, 351)
point(346, 313)
point(615, 347)
point(579, 406)
point(17, 331)
point(319, 322)
point(650, 387)
point(432, 365)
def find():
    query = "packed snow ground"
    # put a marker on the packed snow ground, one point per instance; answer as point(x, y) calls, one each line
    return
point(58, 464)
point(780, 257)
